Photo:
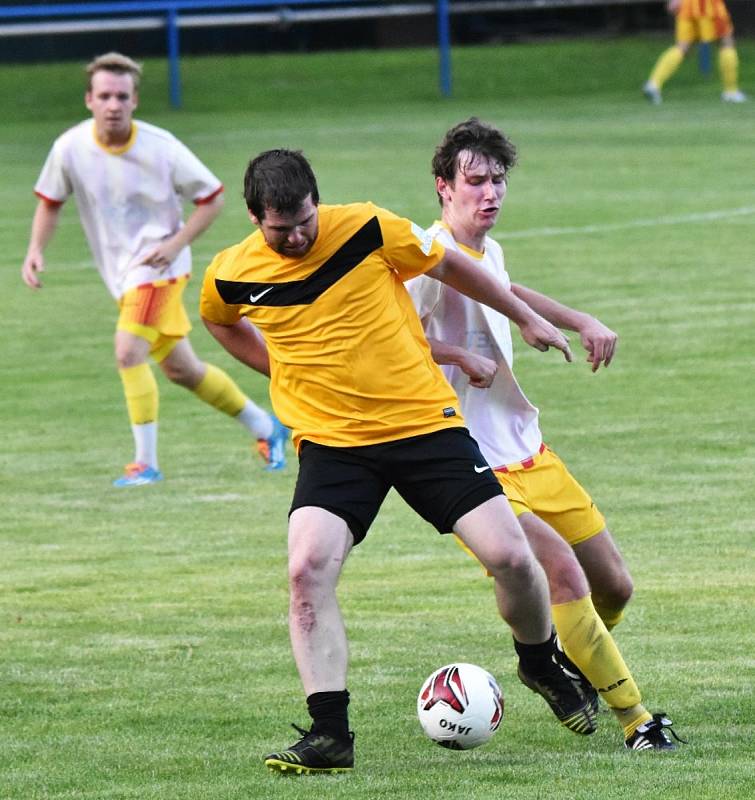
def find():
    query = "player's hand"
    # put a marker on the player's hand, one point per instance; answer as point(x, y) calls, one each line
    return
point(32, 267)
point(599, 341)
point(481, 370)
point(540, 334)
point(162, 256)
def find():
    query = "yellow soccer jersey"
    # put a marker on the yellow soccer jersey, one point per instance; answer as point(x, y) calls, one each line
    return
point(349, 362)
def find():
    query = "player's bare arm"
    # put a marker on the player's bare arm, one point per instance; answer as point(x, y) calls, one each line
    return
point(43, 227)
point(481, 370)
point(204, 214)
point(243, 341)
point(599, 341)
point(461, 273)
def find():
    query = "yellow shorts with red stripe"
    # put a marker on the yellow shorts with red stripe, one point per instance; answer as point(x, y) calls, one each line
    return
point(703, 21)
point(542, 485)
point(155, 311)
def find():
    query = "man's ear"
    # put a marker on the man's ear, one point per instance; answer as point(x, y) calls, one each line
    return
point(252, 217)
point(442, 187)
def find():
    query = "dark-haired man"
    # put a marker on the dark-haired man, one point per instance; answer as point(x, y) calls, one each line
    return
point(352, 374)
point(564, 528)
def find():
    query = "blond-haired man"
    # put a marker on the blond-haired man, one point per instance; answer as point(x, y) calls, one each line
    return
point(130, 179)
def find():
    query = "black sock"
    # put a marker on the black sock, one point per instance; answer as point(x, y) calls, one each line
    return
point(329, 713)
point(536, 658)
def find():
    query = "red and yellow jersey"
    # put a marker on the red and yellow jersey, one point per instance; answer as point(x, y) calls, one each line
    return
point(702, 20)
point(349, 362)
point(696, 9)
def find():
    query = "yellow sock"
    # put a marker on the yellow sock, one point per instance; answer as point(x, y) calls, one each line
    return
point(591, 647)
point(728, 66)
point(218, 390)
point(140, 388)
point(666, 66)
point(611, 616)
point(631, 718)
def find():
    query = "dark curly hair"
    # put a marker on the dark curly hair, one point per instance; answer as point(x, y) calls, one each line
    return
point(478, 138)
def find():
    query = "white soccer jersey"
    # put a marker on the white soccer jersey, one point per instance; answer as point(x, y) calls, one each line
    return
point(128, 199)
point(501, 418)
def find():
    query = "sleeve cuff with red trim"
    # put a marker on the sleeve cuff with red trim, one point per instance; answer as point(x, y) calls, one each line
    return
point(200, 201)
point(49, 200)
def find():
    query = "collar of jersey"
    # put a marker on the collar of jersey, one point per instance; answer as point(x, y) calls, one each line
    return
point(475, 254)
point(115, 151)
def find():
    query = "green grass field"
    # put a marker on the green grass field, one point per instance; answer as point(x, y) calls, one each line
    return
point(143, 643)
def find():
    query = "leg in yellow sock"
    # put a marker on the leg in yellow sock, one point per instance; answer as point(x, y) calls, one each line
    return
point(587, 642)
point(728, 66)
point(664, 68)
point(142, 402)
point(611, 616)
point(218, 390)
point(610, 582)
point(667, 64)
point(140, 388)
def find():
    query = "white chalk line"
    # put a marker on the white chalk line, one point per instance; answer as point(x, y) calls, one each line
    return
point(705, 216)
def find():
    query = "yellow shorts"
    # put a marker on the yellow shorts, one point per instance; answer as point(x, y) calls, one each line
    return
point(708, 21)
point(544, 486)
point(155, 311)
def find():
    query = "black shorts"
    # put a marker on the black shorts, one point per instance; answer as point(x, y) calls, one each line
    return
point(441, 475)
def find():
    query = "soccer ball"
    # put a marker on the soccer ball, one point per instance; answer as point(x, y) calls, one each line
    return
point(460, 706)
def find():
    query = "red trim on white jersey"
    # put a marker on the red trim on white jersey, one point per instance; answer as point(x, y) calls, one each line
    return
point(210, 197)
point(49, 200)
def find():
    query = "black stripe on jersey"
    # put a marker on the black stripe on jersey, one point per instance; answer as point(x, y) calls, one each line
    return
point(300, 293)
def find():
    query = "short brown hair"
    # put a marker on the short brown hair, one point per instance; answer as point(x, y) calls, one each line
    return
point(279, 180)
point(114, 62)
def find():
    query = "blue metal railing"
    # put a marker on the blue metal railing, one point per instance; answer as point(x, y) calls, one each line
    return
point(168, 14)
point(174, 14)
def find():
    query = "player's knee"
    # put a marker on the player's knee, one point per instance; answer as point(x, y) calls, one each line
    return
point(126, 357)
point(302, 580)
point(306, 571)
point(623, 590)
point(176, 373)
point(566, 580)
point(518, 561)
point(182, 374)
point(617, 594)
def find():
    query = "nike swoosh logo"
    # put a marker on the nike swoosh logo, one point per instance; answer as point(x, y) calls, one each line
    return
point(253, 298)
point(481, 469)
